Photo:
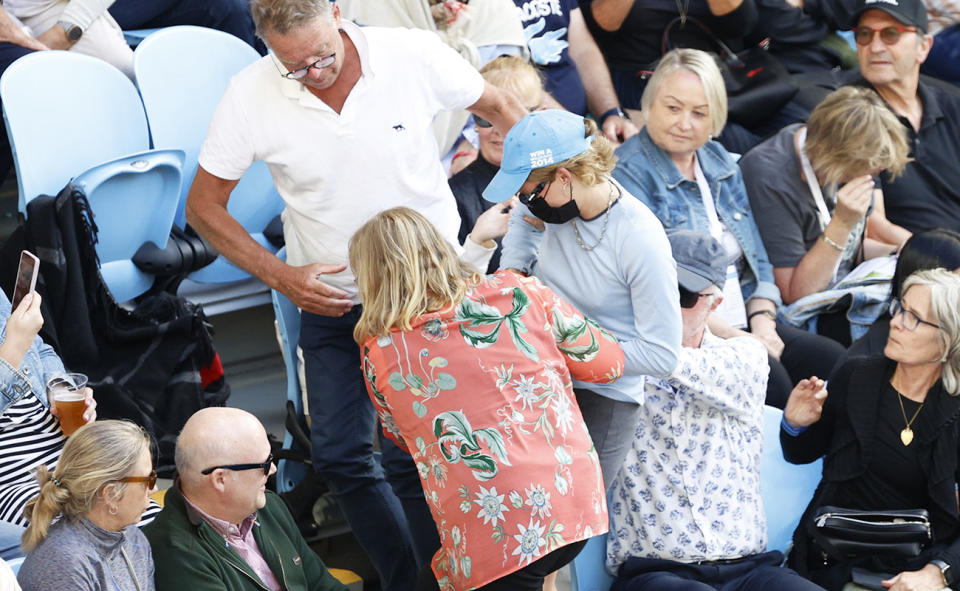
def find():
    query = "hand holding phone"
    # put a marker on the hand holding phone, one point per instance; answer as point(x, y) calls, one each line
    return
point(27, 274)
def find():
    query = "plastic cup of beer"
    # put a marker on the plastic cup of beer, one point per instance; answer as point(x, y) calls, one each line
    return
point(66, 392)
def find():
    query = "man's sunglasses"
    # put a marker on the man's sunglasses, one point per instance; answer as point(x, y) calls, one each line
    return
point(889, 35)
point(688, 299)
point(151, 480)
point(265, 466)
point(526, 198)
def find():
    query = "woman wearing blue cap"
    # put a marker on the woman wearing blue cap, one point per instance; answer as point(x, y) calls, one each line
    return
point(602, 250)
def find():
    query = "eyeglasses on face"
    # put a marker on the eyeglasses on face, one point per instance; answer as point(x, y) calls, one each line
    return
point(324, 62)
point(265, 466)
point(151, 480)
point(481, 122)
point(689, 299)
point(526, 198)
point(889, 35)
point(909, 319)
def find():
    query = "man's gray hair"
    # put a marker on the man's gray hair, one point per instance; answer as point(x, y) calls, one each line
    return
point(281, 16)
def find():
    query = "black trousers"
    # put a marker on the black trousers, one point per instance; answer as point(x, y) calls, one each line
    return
point(529, 578)
point(804, 354)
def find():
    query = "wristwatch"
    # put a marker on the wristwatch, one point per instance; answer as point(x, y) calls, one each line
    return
point(74, 32)
point(945, 570)
point(616, 111)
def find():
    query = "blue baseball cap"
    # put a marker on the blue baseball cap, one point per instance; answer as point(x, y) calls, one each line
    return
point(540, 139)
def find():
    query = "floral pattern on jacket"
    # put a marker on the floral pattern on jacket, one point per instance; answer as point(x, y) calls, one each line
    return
point(481, 396)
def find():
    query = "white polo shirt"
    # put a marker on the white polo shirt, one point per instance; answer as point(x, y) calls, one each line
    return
point(336, 171)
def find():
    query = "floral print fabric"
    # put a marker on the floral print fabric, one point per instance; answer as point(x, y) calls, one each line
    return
point(480, 394)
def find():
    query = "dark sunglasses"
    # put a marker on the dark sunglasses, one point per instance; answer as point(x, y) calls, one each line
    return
point(688, 299)
point(481, 122)
point(151, 480)
point(526, 198)
point(889, 35)
point(265, 466)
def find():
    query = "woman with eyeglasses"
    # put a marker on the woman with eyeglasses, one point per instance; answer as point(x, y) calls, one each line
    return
point(889, 432)
point(82, 533)
point(601, 250)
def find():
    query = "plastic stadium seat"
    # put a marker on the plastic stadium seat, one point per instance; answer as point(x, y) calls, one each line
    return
point(786, 488)
point(66, 112)
point(587, 571)
point(133, 199)
point(135, 37)
point(182, 73)
point(289, 473)
point(15, 564)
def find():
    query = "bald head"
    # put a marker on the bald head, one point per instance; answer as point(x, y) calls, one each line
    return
point(215, 436)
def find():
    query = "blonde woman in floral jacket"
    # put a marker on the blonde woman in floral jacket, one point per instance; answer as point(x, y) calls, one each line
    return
point(472, 375)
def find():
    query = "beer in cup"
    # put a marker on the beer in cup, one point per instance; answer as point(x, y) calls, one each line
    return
point(66, 391)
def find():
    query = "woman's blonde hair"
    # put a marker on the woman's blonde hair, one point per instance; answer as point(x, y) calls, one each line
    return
point(95, 455)
point(516, 75)
point(945, 305)
point(404, 269)
point(590, 167)
point(852, 131)
point(701, 64)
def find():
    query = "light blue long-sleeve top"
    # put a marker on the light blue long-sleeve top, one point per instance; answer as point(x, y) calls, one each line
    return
point(627, 283)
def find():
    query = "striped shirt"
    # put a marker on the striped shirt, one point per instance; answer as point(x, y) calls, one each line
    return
point(29, 437)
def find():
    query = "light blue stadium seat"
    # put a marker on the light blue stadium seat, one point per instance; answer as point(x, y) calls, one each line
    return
point(289, 473)
point(66, 112)
point(15, 564)
point(133, 199)
point(587, 571)
point(182, 73)
point(786, 488)
point(135, 37)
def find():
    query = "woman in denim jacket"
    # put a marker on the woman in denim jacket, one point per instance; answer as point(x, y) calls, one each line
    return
point(670, 165)
point(26, 363)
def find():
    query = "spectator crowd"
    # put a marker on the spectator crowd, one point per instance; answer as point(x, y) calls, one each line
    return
point(548, 284)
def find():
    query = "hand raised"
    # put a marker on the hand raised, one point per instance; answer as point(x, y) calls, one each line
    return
point(805, 404)
point(493, 222)
point(853, 200)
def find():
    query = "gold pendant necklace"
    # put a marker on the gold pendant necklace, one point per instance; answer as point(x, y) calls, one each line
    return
point(906, 436)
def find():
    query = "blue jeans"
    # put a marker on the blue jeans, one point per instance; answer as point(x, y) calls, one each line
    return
point(943, 62)
point(392, 522)
point(10, 540)
point(230, 16)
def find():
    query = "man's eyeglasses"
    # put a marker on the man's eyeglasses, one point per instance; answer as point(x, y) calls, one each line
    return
point(526, 198)
point(909, 319)
point(889, 35)
point(689, 299)
point(324, 62)
point(151, 480)
point(265, 466)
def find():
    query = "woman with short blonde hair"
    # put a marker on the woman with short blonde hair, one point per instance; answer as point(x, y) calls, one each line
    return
point(472, 375)
point(705, 68)
point(814, 210)
point(82, 533)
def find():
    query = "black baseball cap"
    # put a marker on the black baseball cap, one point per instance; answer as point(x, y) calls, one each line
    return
point(701, 260)
point(909, 12)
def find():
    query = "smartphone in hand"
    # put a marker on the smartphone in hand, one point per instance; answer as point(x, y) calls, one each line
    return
point(26, 277)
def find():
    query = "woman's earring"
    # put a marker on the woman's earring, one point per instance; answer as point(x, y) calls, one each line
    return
point(112, 509)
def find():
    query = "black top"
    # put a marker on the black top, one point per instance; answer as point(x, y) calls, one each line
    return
point(467, 186)
point(857, 434)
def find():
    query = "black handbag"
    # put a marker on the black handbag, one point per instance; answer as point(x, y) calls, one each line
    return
point(758, 85)
point(850, 533)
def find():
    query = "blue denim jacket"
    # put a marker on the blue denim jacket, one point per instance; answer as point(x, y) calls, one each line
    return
point(647, 172)
point(39, 362)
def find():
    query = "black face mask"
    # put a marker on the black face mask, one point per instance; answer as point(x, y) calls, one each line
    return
point(554, 215)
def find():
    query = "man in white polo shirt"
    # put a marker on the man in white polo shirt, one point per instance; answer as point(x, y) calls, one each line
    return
point(342, 118)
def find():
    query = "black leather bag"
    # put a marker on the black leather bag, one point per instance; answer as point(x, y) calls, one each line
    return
point(850, 533)
point(758, 85)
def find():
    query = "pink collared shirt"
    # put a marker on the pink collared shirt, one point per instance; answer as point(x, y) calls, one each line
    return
point(240, 539)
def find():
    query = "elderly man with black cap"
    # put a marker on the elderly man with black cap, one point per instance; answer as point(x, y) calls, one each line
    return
point(685, 508)
point(892, 43)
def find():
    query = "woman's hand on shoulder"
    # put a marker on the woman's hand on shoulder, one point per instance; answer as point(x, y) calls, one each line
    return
point(927, 578)
point(23, 324)
point(805, 404)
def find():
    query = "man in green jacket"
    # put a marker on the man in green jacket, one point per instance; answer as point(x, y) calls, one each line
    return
point(220, 529)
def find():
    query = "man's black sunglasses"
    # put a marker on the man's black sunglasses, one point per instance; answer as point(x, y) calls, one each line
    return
point(265, 466)
point(688, 299)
